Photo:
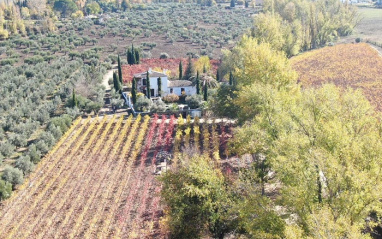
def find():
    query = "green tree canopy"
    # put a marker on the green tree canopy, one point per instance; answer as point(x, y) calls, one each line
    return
point(65, 7)
point(196, 197)
point(323, 144)
point(92, 8)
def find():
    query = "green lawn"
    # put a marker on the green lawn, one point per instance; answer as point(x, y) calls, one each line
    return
point(368, 13)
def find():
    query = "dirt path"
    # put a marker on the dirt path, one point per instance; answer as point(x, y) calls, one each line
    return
point(105, 82)
point(107, 76)
point(377, 48)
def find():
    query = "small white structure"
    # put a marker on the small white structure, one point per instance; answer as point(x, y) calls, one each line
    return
point(167, 86)
point(178, 86)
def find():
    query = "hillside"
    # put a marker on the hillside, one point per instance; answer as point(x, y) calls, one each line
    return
point(346, 65)
point(172, 65)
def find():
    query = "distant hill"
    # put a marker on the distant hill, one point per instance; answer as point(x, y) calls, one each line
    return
point(345, 65)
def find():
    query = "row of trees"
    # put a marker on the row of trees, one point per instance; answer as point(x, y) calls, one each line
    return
point(14, 16)
point(76, 9)
point(293, 26)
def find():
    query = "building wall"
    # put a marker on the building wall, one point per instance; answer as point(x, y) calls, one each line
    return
point(154, 85)
point(190, 90)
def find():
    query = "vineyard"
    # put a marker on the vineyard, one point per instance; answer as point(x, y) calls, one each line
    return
point(346, 65)
point(99, 181)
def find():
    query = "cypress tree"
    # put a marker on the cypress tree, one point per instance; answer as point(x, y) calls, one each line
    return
point(159, 86)
point(134, 91)
point(128, 57)
point(180, 70)
point(190, 69)
point(115, 81)
point(197, 83)
point(119, 87)
point(133, 60)
point(74, 99)
point(217, 76)
point(230, 78)
point(205, 95)
point(125, 5)
point(148, 89)
point(137, 57)
point(120, 70)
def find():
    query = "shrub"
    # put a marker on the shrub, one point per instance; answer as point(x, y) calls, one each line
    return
point(7, 62)
point(64, 122)
point(113, 58)
point(116, 104)
point(143, 104)
point(55, 131)
point(5, 190)
point(42, 146)
point(358, 40)
point(164, 55)
point(24, 164)
point(92, 106)
point(48, 138)
point(140, 94)
point(34, 154)
point(158, 106)
point(34, 60)
point(194, 101)
point(171, 98)
point(73, 112)
point(182, 98)
point(6, 148)
point(13, 175)
point(3, 34)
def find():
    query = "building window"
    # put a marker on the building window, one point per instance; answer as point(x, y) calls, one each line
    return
point(171, 91)
point(143, 81)
point(152, 93)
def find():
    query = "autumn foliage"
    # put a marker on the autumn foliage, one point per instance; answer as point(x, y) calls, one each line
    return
point(346, 65)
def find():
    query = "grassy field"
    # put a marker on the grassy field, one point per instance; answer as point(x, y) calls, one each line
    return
point(99, 181)
point(345, 65)
point(369, 26)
